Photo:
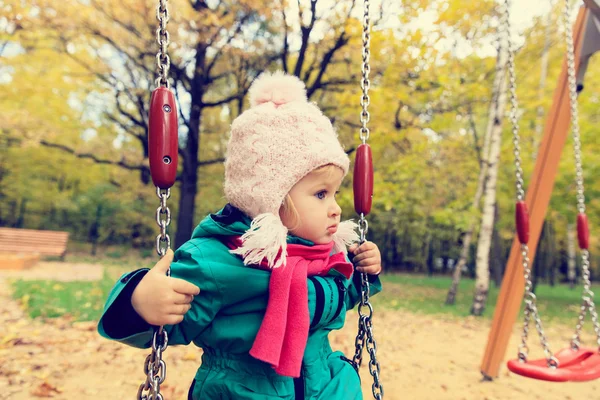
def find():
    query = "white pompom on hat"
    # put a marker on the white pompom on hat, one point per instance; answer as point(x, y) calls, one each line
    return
point(277, 88)
point(273, 145)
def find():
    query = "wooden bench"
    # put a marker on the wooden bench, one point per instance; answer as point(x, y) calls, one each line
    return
point(31, 244)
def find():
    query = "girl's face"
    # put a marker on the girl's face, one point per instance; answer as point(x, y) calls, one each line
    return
point(314, 199)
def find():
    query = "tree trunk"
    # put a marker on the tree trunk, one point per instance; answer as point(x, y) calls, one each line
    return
point(483, 165)
point(394, 245)
point(404, 255)
point(451, 296)
point(552, 264)
point(497, 258)
point(385, 254)
point(571, 272)
point(20, 222)
point(189, 174)
point(482, 271)
point(541, 257)
point(425, 253)
point(94, 232)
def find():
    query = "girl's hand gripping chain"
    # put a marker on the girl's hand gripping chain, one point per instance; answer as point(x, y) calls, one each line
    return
point(367, 258)
point(160, 299)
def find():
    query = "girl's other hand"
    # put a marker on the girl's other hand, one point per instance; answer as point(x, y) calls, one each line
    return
point(160, 299)
point(367, 258)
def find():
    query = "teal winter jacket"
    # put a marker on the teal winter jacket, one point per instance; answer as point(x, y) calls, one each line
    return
point(225, 318)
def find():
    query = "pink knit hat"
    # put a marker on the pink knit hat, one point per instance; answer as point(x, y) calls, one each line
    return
point(274, 144)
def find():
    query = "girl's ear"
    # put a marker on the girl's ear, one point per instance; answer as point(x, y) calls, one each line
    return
point(288, 214)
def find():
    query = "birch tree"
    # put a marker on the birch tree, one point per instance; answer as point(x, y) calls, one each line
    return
point(482, 272)
point(483, 164)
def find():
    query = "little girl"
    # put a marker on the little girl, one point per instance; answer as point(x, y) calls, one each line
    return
point(262, 282)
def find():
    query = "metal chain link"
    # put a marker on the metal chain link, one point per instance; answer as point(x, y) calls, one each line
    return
point(163, 62)
point(531, 309)
point(513, 115)
point(363, 228)
point(574, 108)
point(163, 219)
point(365, 336)
point(587, 304)
point(154, 366)
point(365, 83)
point(587, 295)
point(530, 298)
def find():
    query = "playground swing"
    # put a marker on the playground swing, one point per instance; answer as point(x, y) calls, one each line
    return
point(163, 156)
point(574, 363)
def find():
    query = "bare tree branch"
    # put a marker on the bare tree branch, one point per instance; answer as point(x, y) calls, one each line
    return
point(2, 47)
point(202, 164)
point(126, 128)
point(135, 60)
point(219, 52)
point(120, 163)
point(341, 41)
point(397, 122)
point(199, 5)
point(221, 102)
point(305, 30)
point(211, 162)
point(128, 27)
point(186, 121)
point(130, 116)
point(286, 44)
point(475, 135)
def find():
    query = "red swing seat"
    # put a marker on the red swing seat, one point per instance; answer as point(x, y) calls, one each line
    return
point(576, 366)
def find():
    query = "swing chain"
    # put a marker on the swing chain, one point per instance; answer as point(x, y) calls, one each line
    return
point(514, 106)
point(365, 83)
point(588, 304)
point(365, 335)
point(363, 227)
point(531, 309)
point(163, 219)
point(154, 366)
point(530, 298)
point(163, 62)
point(574, 108)
point(588, 295)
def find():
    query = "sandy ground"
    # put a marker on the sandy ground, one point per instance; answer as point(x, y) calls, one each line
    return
point(422, 357)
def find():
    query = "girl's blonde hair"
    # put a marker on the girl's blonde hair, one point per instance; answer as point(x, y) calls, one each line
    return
point(287, 207)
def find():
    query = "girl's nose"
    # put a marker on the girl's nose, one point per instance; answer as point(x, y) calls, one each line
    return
point(336, 209)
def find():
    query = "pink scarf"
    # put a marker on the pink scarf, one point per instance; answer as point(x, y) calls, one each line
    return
point(282, 336)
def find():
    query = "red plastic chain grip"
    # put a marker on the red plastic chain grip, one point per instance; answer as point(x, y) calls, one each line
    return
point(363, 180)
point(162, 138)
point(522, 222)
point(583, 231)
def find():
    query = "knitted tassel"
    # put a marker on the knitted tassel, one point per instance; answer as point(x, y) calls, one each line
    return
point(345, 236)
point(266, 239)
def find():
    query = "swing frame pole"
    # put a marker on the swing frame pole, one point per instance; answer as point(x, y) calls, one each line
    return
point(538, 195)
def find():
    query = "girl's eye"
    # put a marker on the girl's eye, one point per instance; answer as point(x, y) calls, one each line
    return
point(321, 195)
point(336, 193)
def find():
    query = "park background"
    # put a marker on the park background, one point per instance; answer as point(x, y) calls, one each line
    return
point(75, 84)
